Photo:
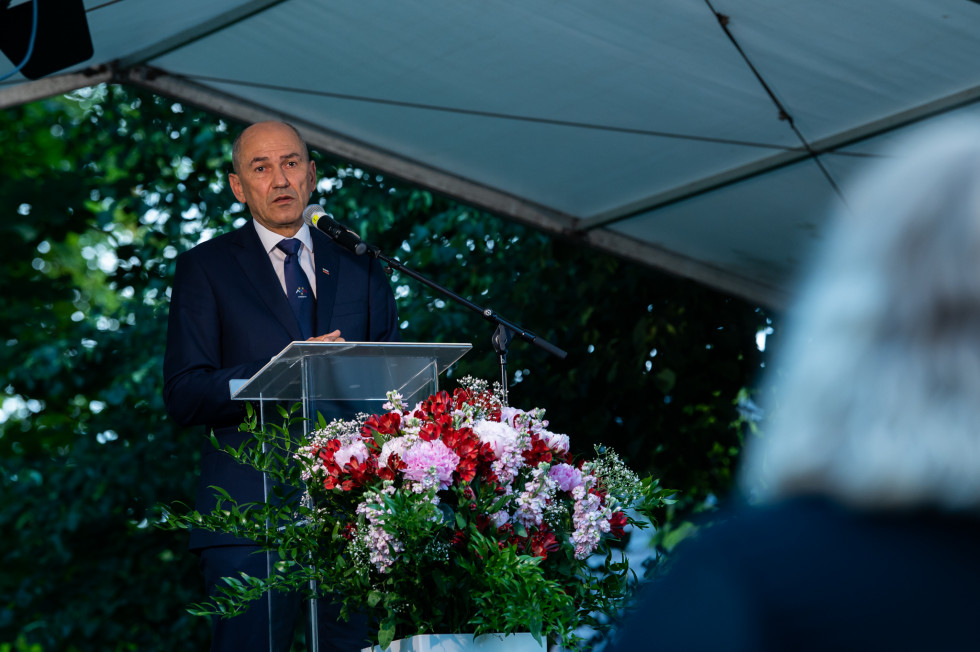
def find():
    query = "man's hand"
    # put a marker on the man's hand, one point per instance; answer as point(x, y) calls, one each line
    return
point(329, 337)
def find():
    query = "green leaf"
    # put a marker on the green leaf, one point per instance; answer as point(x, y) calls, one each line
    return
point(386, 632)
point(448, 515)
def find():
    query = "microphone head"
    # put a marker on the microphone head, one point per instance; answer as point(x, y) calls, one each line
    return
point(312, 213)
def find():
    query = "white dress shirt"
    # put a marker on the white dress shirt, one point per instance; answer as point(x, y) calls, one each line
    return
point(278, 257)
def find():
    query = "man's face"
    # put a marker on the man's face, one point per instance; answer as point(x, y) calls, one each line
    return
point(275, 176)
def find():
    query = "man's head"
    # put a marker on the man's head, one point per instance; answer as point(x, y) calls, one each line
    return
point(273, 175)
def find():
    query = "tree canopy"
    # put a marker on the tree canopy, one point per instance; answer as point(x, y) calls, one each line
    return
point(102, 189)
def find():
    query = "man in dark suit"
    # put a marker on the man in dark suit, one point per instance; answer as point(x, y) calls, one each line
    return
point(237, 301)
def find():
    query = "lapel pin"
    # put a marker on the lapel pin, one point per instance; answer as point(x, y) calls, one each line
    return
point(325, 271)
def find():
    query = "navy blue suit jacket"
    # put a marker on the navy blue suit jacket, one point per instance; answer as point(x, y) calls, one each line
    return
point(229, 316)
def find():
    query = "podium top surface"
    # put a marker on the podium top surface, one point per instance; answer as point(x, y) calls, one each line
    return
point(305, 368)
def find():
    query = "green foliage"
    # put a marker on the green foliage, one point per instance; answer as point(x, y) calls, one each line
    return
point(102, 188)
point(87, 450)
point(514, 589)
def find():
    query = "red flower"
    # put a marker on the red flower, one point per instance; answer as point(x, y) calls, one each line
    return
point(348, 485)
point(435, 428)
point(461, 397)
point(542, 543)
point(484, 401)
point(539, 452)
point(616, 524)
point(434, 406)
point(386, 424)
point(349, 531)
point(326, 452)
point(359, 473)
point(470, 450)
point(390, 470)
point(510, 538)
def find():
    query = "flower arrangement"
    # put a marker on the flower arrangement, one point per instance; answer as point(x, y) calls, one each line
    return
point(473, 504)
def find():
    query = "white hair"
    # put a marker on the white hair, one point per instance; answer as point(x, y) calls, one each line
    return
point(878, 404)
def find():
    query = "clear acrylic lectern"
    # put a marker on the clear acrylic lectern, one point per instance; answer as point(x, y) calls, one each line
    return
point(341, 380)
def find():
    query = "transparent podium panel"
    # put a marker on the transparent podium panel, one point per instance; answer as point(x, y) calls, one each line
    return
point(339, 380)
point(343, 379)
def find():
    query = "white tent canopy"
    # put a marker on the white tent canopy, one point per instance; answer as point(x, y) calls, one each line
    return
point(707, 138)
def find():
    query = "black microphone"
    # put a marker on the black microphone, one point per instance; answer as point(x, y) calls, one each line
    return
point(314, 215)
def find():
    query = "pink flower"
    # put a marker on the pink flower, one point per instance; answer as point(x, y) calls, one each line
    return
point(430, 463)
point(556, 442)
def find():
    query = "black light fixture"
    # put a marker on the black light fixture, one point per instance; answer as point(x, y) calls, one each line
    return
point(61, 35)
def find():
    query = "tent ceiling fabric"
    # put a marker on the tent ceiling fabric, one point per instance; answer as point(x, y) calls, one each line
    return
point(708, 138)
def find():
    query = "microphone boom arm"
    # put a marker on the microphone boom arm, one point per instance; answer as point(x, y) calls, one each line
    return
point(487, 313)
point(315, 216)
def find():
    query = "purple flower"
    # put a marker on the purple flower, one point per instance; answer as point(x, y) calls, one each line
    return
point(509, 415)
point(566, 476)
point(590, 520)
point(531, 502)
point(382, 547)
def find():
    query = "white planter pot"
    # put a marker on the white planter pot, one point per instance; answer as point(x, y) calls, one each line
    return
point(464, 643)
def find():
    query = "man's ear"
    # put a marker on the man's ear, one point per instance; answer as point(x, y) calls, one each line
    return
point(236, 187)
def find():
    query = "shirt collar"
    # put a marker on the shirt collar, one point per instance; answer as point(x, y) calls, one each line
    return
point(270, 239)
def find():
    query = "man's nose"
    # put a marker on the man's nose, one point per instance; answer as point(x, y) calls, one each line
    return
point(280, 179)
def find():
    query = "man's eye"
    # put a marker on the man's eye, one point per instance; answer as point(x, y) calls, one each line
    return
point(291, 164)
point(260, 168)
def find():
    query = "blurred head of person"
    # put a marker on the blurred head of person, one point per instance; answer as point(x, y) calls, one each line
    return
point(877, 399)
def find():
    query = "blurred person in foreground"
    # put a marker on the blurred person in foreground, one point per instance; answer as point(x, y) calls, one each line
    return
point(865, 534)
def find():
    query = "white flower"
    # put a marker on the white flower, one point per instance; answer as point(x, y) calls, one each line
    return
point(500, 436)
point(355, 450)
point(507, 445)
point(396, 446)
point(394, 403)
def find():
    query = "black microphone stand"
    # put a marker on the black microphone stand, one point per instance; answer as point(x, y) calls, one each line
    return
point(505, 331)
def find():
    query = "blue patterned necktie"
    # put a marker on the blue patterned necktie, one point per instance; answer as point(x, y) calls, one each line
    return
point(298, 289)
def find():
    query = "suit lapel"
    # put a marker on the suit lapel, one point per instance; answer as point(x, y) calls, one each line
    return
point(257, 268)
point(327, 269)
